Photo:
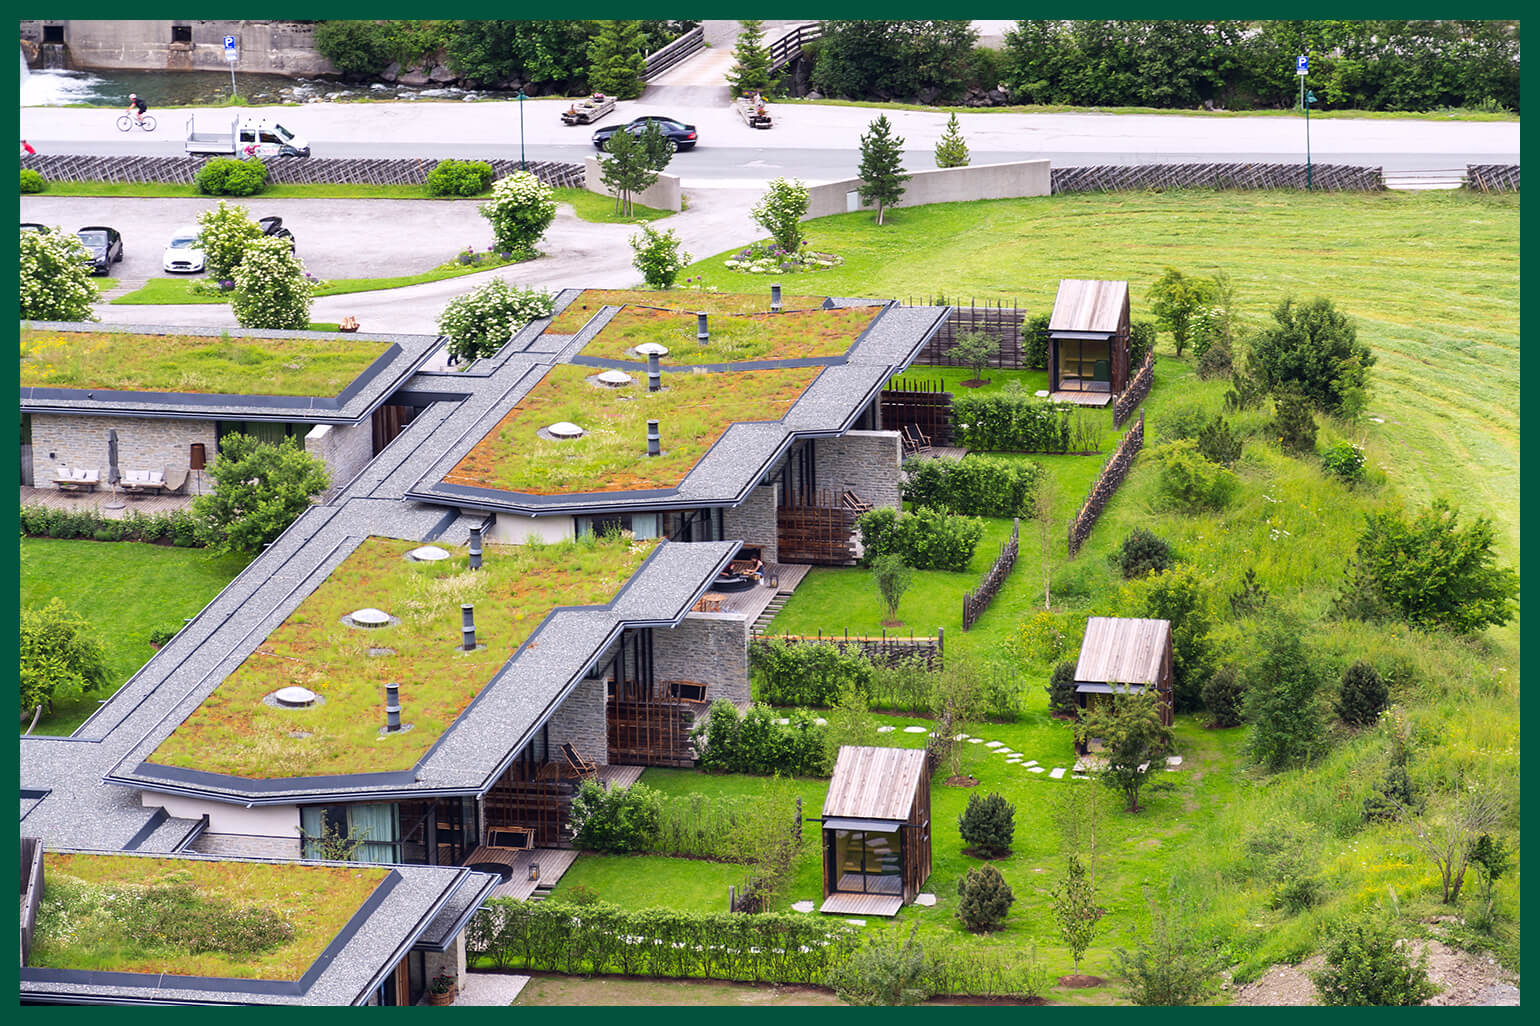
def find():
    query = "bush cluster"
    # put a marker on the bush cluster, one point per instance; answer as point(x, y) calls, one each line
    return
point(176, 528)
point(1143, 552)
point(788, 673)
point(272, 289)
point(983, 486)
point(1061, 690)
point(756, 742)
point(459, 178)
point(478, 323)
point(658, 256)
point(1344, 461)
point(1224, 695)
point(984, 899)
point(1367, 965)
point(620, 819)
point(1141, 339)
point(1362, 696)
point(55, 279)
point(1013, 420)
point(521, 209)
point(926, 539)
point(1190, 482)
point(60, 658)
point(988, 824)
point(32, 181)
point(226, 176)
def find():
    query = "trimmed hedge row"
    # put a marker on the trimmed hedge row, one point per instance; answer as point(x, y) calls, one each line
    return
point(1014, 420)
point(178, 527)
point(807, 673)
point(757, 743)
point(982, 486)
point(926, 539)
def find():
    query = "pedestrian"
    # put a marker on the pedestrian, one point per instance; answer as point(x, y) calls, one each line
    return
point(28, 147)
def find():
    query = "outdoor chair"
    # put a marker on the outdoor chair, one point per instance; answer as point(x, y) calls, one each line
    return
point(143, 482)
point(853, 502)
point(175, 479)
point(915, 440)
point(579, 765)
point(69, 479)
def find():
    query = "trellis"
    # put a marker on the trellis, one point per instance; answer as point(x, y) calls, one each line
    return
point(1114, 178)
point(995, 318)
point(885, 650)
point(64, 167)
point(922, 405)
point(818, 529)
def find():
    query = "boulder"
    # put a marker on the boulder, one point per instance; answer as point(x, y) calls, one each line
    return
point(414, 77)
point(392, 71)
point(441, 74)
point(998, 97)
point(815, 95)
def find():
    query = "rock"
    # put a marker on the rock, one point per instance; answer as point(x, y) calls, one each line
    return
point(925, 899)
point(392, 71)
point(815, 95)
point(998, 97)
point(441, 74)
point(414, 77)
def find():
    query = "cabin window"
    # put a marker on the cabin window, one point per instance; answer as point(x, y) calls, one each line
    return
point(867, 861)
point(1085, 366)
point(641, 525)
point(271, 432)
point(377, 826)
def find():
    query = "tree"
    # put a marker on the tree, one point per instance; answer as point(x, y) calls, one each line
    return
point(1366, 964)
point(1061, 690)
point(333, 844)
point(271, 287)
point(1490, 856)
point(1430, 571)
point(882, 166)
point(1133, 740)
point(1171, 965)
point(1220, 443)
point(1224, 695)
point(1175, 299)
point(658, 256)
point(659, 148)
point(354, 48)
point(224, 234)
point(532, 53)
point(975, 349)
point(1447, 834)
point(521, 209)
point(1315, 349)
point(769, 841)
point(1077, 811)
point(882, 973)
point(892, 578)
point(988, 825)
point(479, 323)
point(617, 56)
point(1362, 696)
point(1074, 906)
point(750, 72)
point(1293, 422)
point(55, 278)
point(61, 660)
point(1283, 702)
point(780, 211)
point(951, 149)
point(259, 490)
point(868, 59)
point(985, 899)
point(624, 169)
point(1042, 512)
point(1143, 552)
point(850, 723)
point(957, 699)
point(1181, 595)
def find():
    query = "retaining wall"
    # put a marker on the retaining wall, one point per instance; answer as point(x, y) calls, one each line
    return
point(663, 194)
point(1114, 178)
point(940, 185)
point(266, 47)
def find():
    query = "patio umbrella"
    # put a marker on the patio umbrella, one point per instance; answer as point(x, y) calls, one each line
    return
point(113, 474)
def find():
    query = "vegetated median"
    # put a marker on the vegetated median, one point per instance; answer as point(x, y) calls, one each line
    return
point(1446, 114)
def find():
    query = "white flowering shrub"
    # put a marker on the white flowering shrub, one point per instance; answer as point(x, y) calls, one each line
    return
point(780, 211)
point(271, 287)
point(478, 323)
point(224, 234)
point(658, 256)
point(55, 279)
point(521, 209)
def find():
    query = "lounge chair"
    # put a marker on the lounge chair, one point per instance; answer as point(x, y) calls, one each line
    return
point(853, 502)
point(915, 440)
point(71, 479)
point(579, 765)
point(143, 482)
point(176, 480)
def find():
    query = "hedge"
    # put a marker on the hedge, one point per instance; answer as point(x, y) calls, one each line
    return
point(984, 486)
point(1014, 420)
point(756, 742)
point(802, 674)
point(927, 539)
point(178, 527)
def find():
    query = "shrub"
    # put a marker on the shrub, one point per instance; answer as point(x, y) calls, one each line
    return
point(259, 490)
point(1216, 361)
point(1183, 420)
point(756, 742)
point(459, 178)
point(226, 176)
point(61, 660)
point(780, 211)
point(1344, 461)
point(850, 722)
point(478, 323)
point(619, 819)
point(1170, 966)
point(1393, 793)
point(1061, 690)
point(55, 281)
point(1367, 965)
point(1362, 696)
point(161, 635)
point(1143, 552)
point(788, 673)
point(1179, 302)
point(1313, 350)
point(988, 824)
point(353, 47)
point(271, 287)
point(926, 539)
point(32, 181)
point(1141, 339)
point(1189, 482)
point(521, 209)
point(983, 486)
point(975, 349)
point(1250, 597)
point(658, 256)
point(1245, 392)
point(892, 578)
point(985, 899)
point(1034, 342)
point(1282, 704)
point(1013, 420)
point(881, 973)
point(224, 233)
point(1219, 443)
point(1297, 895)
point(951, 148)
point(1224, 695)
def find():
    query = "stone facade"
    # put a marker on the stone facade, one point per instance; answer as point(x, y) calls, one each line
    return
point(712, 648)
point(345, 448)
point(863, 462)
point(269, 47)
point(144, 443)
point(753, 520)
point(246, 846)
point(580, 722)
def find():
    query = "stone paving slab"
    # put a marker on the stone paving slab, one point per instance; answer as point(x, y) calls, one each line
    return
point(1057, 773)
point(483, 990)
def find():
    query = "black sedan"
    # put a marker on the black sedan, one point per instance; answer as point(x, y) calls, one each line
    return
point(33, 226)
point(677, 134)
point(104, 247)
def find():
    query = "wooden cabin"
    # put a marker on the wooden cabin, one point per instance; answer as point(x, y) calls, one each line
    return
point(1088, 342)
point(876, 831)
point(1124, 654)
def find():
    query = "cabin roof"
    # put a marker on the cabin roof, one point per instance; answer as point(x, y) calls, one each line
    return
point(1122, 650)
point(874, 783)
point(1085, 305)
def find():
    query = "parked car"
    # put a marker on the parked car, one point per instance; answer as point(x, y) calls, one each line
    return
point(679, 135)
point(273, 226)
point(104, 246)
point(33, 226)
point(184, 255)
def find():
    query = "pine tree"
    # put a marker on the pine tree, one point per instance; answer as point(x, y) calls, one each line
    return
point(751, 61)
point(984, 898)
point(617, 56)
point(882, 166)
point(951, 149)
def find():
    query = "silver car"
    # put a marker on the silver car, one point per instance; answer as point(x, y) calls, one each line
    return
point(184, 255)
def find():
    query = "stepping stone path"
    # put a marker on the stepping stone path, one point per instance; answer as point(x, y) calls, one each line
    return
point(1081, 776)
point(915, 730)
point(820, 721)
point(1057, 773)
point(856, 922)
point(1173, 760)
point(925, 899)
point(994, 744)
point(1034, 769)
point(1013, 759)
point(886, 729)
point(1030, 763)
point(975, 740)
point(803, 906)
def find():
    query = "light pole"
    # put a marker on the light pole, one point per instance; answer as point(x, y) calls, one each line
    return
point(522, 98)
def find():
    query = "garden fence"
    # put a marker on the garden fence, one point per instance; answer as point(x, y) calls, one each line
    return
point(975, 602)
point(886, 650)
point(1106, 485)
point(1137, 389)
point(1004, 322)
point(1492, 177)
point(919, 405)
point(1116, 178)
point(63, 167)
point(675, 52)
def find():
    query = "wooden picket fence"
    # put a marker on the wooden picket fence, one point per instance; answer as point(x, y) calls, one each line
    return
point(1106, 485)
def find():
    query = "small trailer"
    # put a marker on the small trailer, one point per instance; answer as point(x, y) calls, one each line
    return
point(754, 112)
point(588, 111)
point(245, 137)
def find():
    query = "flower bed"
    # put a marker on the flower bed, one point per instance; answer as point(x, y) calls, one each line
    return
point(769, 258)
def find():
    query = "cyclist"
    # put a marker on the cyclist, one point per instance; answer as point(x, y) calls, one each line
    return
point(137, 107)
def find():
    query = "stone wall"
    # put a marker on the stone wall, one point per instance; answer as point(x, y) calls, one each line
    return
point(580, 721)
point(144, 443)
point(753, 520)
point(864, 462)
point(345, 448)
point(267, 47)
point(712, 648)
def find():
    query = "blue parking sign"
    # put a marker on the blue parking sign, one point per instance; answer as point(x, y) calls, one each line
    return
point(1301, 64)
point(230, 43)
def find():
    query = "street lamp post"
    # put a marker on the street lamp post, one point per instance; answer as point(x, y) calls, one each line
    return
point(522, 98)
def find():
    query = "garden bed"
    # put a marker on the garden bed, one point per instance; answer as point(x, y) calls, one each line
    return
point(734, 338)
point(582, 309)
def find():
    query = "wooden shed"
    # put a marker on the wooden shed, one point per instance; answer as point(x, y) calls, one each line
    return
point(1124, 654)
point(876, 830)
point(1088, 341)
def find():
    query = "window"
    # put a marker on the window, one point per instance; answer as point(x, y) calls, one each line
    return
point(377, 826)
point(271, 432)
point(867, 861)
point(181, 33)
point(1085, 366)
point(641, 525)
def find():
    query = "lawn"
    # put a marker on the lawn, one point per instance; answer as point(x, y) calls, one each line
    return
point(105, 583)
point(193, 363)
point(733, 338)
point(235, 732)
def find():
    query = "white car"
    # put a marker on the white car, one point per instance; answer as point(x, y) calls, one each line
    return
point(183, 255)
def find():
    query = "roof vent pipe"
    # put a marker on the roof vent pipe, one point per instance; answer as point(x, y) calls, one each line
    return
point(475, 561)
point(654, 374)
point(775, 299)
point(392, 707)
point(468, 627)
point(654, 442)
point(702, 333)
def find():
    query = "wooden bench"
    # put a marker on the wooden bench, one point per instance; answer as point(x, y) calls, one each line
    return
point(754, 115)
point(589, 110)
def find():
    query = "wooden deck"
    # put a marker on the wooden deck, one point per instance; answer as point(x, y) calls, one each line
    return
point(752, 601)
point(859, 904)
point(97, 500)
point(1083, 398)
point(613, 776)
point(943, 452)
point(553, 863)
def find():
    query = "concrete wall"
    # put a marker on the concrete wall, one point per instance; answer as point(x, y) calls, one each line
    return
point(753, 520)
point(580, 721)
point(144, 443)
point(864, 462)
point(273, 47)
point(712, 648)
point(346, 449)
point(249, 846)
point(515, 530)
point(663, 194)
point(941, 185)
point(267, 831)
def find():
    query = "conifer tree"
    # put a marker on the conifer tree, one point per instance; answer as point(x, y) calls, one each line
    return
point(751, 61)
point(617, 56)
point(882, 166)
point(951, 149)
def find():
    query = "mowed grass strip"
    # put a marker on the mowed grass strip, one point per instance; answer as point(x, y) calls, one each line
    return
point(693, 411)
point(733, 338)
point(581, 310)
point(234, 732)
point(119, 935)
point(200, 364)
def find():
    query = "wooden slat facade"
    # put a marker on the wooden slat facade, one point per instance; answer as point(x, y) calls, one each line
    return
point(880, 785)
point(1089, 312)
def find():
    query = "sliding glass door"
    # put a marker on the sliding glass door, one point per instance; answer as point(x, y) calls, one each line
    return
point(867, 861)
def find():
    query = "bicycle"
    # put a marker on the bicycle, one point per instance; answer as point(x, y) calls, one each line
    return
point(147, 123)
